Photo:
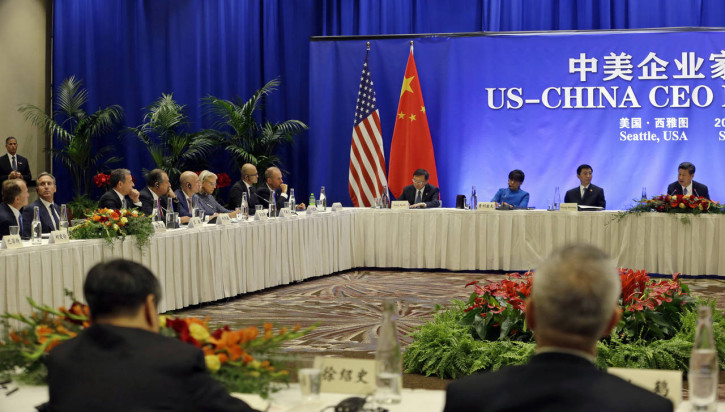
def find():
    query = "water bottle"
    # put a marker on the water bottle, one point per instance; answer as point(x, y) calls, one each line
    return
point(557, 198)
point(169, 205)
point(170, 220)
point(244, 206)
point(704, 371)
point(385, 199)
point(195, 212)
point(292, 201)
point(272, 205)
point(36, 228)
point(323, 199)
point(63, 223)
point(474, 198)
point(312, 200)
point(644, 193)
point(389, 378)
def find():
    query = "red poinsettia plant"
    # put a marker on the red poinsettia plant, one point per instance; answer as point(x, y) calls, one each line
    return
point(678, 204)
point(102, 180)
point(223, 180)
point(651, 309)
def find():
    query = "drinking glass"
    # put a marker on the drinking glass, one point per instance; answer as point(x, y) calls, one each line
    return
point(310, 378)
point(14, 230)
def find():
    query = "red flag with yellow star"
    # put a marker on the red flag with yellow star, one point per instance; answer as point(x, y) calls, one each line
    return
point(412, 147)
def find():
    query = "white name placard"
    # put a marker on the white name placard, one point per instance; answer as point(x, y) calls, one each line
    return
point(486, 206)
point(261, 215)
point(285, 213)
point(346, 375)
point(159, 227)
point(662, 382)
point(336, 206)
point(12, 242)
point(311, 210)
point(399, 205)
point(195, 222)
point(568, 207)
point(58, 237)
point(223, 219)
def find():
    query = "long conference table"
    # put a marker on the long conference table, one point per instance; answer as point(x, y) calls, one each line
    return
point(216, 262)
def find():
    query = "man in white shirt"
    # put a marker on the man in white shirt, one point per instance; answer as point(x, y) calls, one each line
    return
point(685, 185)
point(12, 165)
point(49, 211)
point(250, 176)
point(421, 194)
point(14, 196)
point(122, 195)
point(190, 186)
point(157, 188)
point(586, 194)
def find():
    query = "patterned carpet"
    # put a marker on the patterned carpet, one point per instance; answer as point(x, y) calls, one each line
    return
point(347, 307)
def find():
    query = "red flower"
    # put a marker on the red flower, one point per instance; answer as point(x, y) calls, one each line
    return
point(223, 180)
point(101, 180)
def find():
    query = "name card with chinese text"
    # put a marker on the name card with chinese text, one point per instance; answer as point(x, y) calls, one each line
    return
point(662, 382)
point(345, 375)
point(159, 227)
point(58, 237)
point(195, 222)
point(285, 213)
point(399, 205)
point(486, 206)
point(223, 219)
point(12, 242)
point(311, 210)
point(568, 207)
point(336, 206)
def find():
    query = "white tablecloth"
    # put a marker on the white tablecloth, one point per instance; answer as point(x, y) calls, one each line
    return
point(217, 262)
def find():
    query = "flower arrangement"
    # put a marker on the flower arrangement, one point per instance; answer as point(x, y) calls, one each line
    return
point(234, 357)
point(110, 224)
point(489, 330)
point(223, 180)
point(675, 204)
point(102, 180)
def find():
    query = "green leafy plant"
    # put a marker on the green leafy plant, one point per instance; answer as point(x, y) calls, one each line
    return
point(240, 135)
point(497, 310)
point(81, 206)
point(170, 146)
point(76, 131)
point(111, 224)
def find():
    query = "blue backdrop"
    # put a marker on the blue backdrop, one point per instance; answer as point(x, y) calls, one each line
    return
point(128, 52)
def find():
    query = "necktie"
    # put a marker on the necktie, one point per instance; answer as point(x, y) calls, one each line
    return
point(20, 223)
point(54, 215)
point(684, 190)
point(188, 202)
point(123, 203)
point(419, 197)
point(15, 164)
point(584, 190)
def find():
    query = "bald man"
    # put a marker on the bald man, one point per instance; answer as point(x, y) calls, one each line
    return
point(190, 185)
point(250, 176)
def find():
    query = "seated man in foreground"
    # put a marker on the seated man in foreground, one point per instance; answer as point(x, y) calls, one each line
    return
point(421, 194)
point(586, 194)
point(121, 362)
point(573, 303)
point(685, 185)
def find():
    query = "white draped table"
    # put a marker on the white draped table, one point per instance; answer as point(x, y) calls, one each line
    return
point(217, 262)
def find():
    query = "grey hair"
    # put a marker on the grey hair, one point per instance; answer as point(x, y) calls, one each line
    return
point(205, 174)
point(575, 291)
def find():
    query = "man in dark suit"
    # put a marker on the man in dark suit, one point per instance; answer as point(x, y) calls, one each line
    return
point(15, 197)
point(586, 194)
point(121, 362)
point(12, 165)
point(685, 185)
point(573, 303)
point(157, 188)
point(48, 210)
point(274, 183)
point(121, 195)
point(421, 194)
point(190, 186)
point(250, 176)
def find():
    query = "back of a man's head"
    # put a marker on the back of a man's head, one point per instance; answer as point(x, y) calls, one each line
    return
point(119, 288)
point(575, 292)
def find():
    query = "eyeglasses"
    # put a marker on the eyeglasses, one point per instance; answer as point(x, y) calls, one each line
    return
point(418, 183)
point(213, 184)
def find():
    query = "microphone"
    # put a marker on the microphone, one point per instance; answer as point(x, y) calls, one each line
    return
point(695, 191)
point(673, 191)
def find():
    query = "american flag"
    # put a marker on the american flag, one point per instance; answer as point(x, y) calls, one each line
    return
point(367, 161)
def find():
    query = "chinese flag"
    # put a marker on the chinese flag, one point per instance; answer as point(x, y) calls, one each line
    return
point(412, 147)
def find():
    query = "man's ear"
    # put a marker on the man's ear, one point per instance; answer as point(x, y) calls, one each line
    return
point(613, 321)
point(151, 314)
point(530, 317)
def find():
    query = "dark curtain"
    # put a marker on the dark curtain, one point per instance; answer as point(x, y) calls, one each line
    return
point(129, 52)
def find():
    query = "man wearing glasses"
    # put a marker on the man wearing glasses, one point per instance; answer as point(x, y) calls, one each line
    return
point(421, 194)
point(250, 176)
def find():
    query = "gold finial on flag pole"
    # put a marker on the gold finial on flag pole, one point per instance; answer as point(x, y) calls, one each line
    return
point(368, 46)
point(411, 46)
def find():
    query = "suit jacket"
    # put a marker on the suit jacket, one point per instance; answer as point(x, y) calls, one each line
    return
point(148, 204)
point(550, 382)
point(111, 200)
point(698, 189)
point(183, 206)
point(6, 168)
point(47, 223)
point(263, 194)
point(111, 368)
point(594, 196)
point(431, 195)
point(235, 196)
point(7, 219)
